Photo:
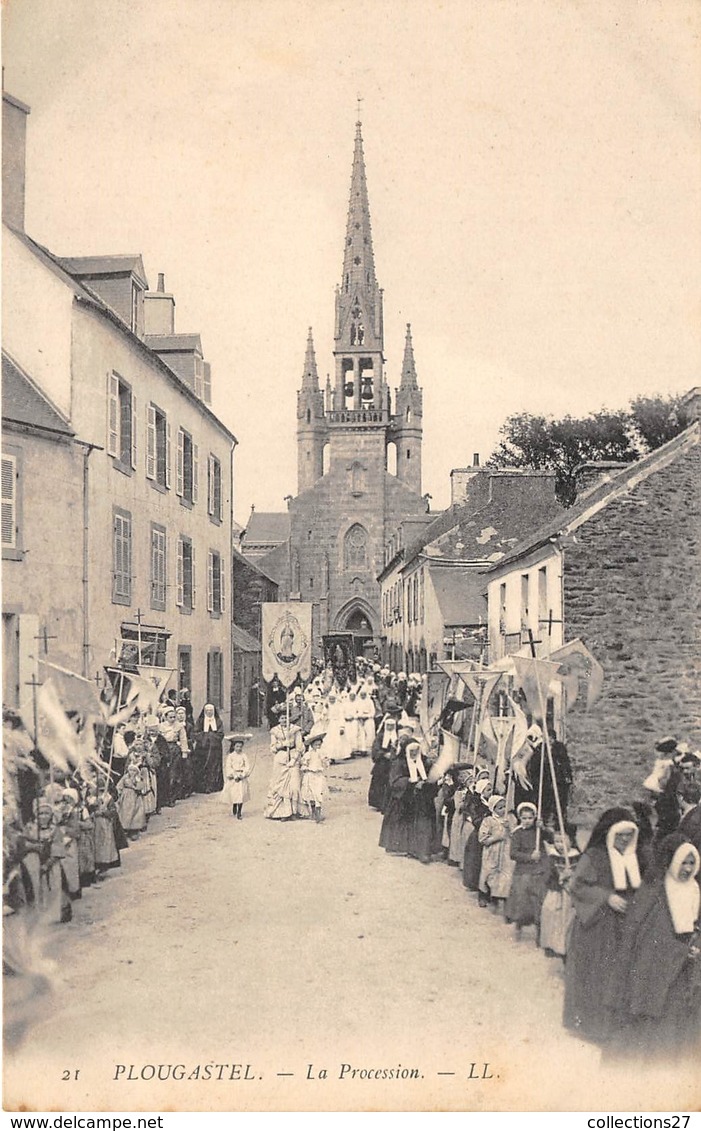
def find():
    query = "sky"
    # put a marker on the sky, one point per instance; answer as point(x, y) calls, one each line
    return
point(534, 175)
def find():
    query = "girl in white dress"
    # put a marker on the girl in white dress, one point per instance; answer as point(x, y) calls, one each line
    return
point(237, 771)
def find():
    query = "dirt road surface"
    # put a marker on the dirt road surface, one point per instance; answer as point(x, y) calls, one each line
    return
point(299, 949)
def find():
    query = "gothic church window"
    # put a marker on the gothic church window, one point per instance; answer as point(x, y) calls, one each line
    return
point(355, 548)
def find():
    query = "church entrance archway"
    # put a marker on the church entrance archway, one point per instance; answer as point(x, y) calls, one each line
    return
point(357, 617)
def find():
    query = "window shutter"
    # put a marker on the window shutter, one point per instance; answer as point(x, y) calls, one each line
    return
point(9, 502)
point(195, 472)
point(194, 591)
point(133, 431)
point(179, 473)
point(168, 455)
point(179, 574)
point(210, 485)
point(127, 557)
point(210, 582)
point(220, 495)
point(150, 442)
point(222, 571)
point(112, 415)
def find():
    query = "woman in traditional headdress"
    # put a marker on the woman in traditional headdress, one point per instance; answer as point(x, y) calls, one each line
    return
point(419, 807)
point(383, 748)
point(497, 866)
point(656, 999)
point(237, 771)
point(477, 811)
point(528, 880)
point(606, 877)
point(209, 740)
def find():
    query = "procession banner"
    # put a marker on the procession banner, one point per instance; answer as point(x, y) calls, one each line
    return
point(287, 641)
point(339, 655)
point(433, 695)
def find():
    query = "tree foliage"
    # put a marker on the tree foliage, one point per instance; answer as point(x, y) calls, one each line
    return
point(541, 442)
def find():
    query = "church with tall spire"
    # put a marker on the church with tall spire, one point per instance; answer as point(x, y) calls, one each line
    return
point(358, 450)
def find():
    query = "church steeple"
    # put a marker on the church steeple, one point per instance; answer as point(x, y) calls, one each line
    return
point(408, 420)
point(358, 256)
point(359, 336)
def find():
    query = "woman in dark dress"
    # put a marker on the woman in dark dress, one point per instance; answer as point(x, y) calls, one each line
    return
point(209, 739)
point(476, 809)
point(606, 877)
point(383, 748)
point(656, 1001)
point(394, 834)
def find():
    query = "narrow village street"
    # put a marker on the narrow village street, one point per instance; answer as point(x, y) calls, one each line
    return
point(288, 945)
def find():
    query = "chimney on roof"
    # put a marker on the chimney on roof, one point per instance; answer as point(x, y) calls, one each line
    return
point(467, 484)
point(14, 160)
point(159, 310)
point(593, 473)
point(691, 405)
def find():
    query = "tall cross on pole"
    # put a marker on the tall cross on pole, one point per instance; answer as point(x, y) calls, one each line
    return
point(138, 622)
point(44, 636)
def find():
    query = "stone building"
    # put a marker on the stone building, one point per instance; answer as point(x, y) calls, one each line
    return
point(252, 587)
point(358, 452)
point(433, 589)
point(134, 555)
point(620, 571)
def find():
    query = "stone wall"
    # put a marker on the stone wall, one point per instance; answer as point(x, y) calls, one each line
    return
point(251, 589)
point(632, 593)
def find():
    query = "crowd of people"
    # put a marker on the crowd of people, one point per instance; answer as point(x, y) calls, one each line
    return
point(65, 830)
point(618, 907)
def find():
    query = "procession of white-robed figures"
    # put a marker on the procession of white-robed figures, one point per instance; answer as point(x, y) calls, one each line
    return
point(466, 769)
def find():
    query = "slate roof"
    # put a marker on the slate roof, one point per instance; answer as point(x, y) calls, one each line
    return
point(612, 488)
point(93, 265)
point(24, 403)
point(267, 526)
point(459, 594)
point(275, 563)
point(493, 531)
point(252, 563)
point(243, 640)
point(167, 343)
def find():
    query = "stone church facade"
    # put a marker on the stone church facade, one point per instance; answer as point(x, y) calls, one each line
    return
point(349, 435)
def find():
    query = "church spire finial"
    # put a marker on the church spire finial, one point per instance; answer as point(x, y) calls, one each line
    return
point(310, 378)
point(408, 365)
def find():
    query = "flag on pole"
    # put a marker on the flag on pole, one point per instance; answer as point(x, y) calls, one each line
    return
point(578, 666)
point(535, 678)
point(287, 641)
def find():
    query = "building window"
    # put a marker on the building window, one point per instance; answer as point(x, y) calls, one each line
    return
point(158, 567)
point(524, 602)
point(121, 421)
point(543, 615)
point(215, 583)
point(207, 371)
point(355, 548)
point(185, 574)
point(421, 596)
point(357, 479)
point(157, 446)
point(215, 681)
point(134, 308)
point(10, 515)
point(121, 557)
point(214, 492)
point(199, 377)
point(416, 599)
point(188, 468)
point(502, 608)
